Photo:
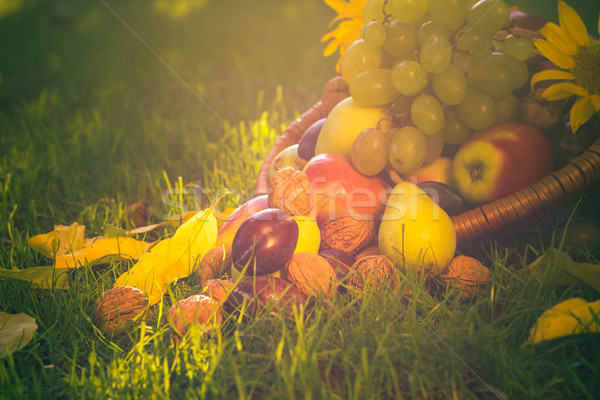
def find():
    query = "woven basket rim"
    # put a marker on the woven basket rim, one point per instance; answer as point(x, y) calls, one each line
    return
point(499, 218)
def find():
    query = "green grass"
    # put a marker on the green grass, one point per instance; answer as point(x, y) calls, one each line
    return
point(91, 121)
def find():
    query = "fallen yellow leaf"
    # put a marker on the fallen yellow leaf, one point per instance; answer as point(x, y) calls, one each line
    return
point(42, 277)
point(16, 330)
point(571, 317)
point(103, 251)
point(62, 240)
point(173, 258)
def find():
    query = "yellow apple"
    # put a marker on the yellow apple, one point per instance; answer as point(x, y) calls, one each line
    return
point(439, 170)
point(343, 125)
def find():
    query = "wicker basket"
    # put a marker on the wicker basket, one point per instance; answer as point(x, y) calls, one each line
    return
point(506, 216)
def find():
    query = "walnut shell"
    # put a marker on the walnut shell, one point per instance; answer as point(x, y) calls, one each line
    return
point(467, 273)
point(198, 309)
point(347, 233)
point(216, 262)
point(373, 271)
point(217, 289)
point(311, 274)
point(290, 190)
point(117, 308)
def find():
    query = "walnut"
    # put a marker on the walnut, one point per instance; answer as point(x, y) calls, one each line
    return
point(117, 308)
point(375, 271)
point(217, 289)
point(539, 112)
point(347, 233)
point(467, 273)
point(311, 274)
point(216, 262)
point(290, 190)
point(196, 309)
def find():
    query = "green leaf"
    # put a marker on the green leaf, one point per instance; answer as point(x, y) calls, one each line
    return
point(42, 277)
point(16, 330)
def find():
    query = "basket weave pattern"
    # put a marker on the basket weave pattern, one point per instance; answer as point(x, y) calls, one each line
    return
point(499, 218)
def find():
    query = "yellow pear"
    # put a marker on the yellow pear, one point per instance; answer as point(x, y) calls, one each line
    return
point(415, 232)
point(343, 125)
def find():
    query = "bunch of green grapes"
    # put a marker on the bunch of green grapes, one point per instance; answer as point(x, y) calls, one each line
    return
point(436, 66)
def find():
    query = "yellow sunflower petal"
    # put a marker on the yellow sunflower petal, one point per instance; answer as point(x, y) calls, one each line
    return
point(554, 54)
point(562, 90)
point(571, 22)
point(595, 99)
point(581, 111)
point(555, 34)
point(551, 74)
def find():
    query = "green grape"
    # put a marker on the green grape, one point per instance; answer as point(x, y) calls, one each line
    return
point(477, 110)
point(506, 108)
point(450, 12)
point(450, 85)
point(373, 34)
point(373, 88)
point(409, 77)
point(369, 153)
point(407, 10)
point(462, 60)
point(488, 16)
point(475, 43)
point(373, 10)
point(407, 149)
point(518, 46)
point(358, 58)
point(435, 145)
point(427, 114)
point(455, 131)
point(518, 67)
point(428, 29)
point(491, 77)
point(400, 38)
point(436, 54)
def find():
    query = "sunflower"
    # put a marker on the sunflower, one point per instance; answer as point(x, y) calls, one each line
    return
point(350, 13)
point(578, 58)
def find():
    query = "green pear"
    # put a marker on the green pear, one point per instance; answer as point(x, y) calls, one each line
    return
point(415, 233)
point(343, 125)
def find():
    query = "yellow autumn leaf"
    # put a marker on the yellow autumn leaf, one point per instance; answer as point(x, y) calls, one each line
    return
point(62, 240)
point(42, 277)
point(173, 258)
point(103, 251)
point(571, 317)
point(16, 330)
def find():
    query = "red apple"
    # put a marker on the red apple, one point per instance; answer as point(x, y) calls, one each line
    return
point(339, 187)
point(230, 227)
point(500, 160)
point(439, 170)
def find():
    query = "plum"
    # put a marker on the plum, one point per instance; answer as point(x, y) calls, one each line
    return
point(265, 242)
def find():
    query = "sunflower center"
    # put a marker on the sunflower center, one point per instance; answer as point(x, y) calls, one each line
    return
point(587, 69)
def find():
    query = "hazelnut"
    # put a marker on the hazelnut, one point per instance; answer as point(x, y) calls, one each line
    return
point(216, 262)
point(311, 274)
point(290, 191)
point(217, 289)
point(369, 251)
point(347, 233)
point(375, 271)
point(198, 309)
point(117, 309)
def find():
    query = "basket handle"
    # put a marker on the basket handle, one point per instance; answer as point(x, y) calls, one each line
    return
point(334, 91)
